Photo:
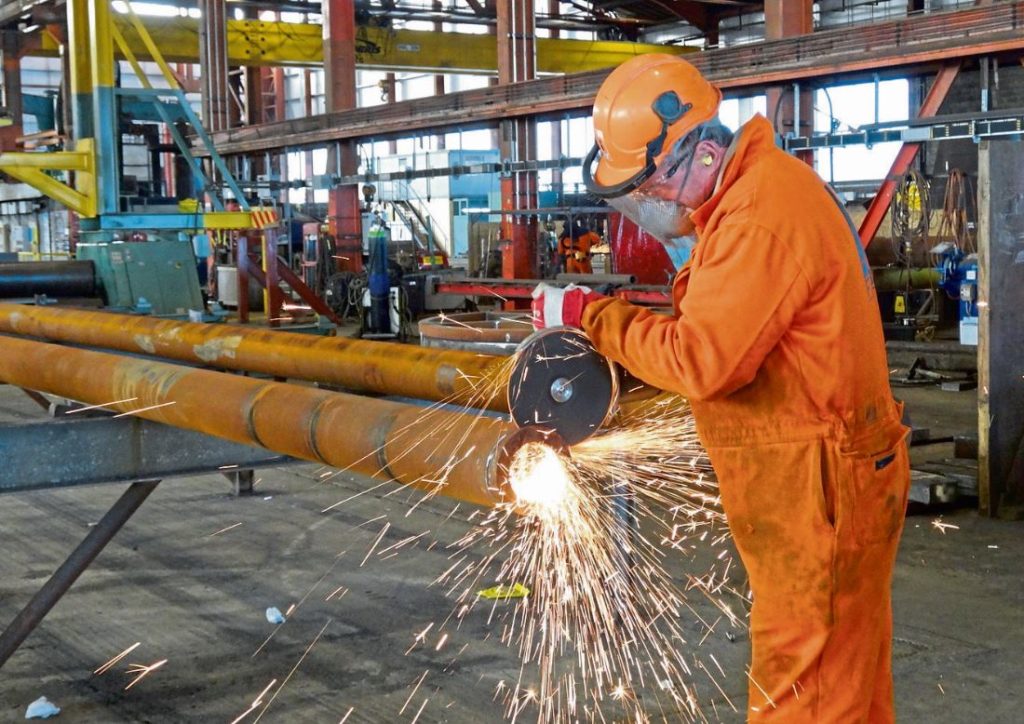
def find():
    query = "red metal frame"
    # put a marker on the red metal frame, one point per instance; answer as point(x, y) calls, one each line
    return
point(880, 204)
point(516, 64)
point(344, 210)
point(249, 269)
point(509, 290)
point(654, 296)
point(274, 296)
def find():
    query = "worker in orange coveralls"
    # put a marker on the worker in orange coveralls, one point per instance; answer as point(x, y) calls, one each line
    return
point(777, 342)
point(574, 245)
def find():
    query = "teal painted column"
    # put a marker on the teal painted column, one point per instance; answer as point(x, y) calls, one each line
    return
point(104, 116)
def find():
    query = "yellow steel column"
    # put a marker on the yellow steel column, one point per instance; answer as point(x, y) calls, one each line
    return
point(104, 111)
point(80, 68)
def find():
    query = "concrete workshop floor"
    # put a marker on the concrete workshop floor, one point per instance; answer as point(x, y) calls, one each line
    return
point(199, 599)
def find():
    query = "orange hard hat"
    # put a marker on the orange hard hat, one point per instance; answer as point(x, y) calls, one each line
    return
point(641, 110)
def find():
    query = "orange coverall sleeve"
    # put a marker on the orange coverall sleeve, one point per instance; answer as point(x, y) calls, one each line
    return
point(739, 302)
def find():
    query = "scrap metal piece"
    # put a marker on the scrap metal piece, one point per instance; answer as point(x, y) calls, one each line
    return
point(560, 382)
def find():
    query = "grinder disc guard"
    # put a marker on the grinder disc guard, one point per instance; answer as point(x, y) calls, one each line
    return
point(560, 382)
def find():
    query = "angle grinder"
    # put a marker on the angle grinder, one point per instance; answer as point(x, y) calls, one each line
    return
point(559, 382)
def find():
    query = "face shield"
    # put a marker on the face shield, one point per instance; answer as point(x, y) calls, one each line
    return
point(655, 204)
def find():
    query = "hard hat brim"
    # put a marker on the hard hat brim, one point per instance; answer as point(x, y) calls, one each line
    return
point(612, 182)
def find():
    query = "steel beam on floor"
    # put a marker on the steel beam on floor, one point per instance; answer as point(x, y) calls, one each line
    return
point(66, 452)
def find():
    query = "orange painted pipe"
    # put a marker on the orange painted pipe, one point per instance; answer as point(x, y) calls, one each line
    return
point(462, 378)
point(454, 454)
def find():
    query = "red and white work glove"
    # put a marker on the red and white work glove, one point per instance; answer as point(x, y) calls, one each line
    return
point(558, 306)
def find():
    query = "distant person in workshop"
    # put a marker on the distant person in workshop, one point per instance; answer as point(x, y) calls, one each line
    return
point(574, 244)
point(776, 340)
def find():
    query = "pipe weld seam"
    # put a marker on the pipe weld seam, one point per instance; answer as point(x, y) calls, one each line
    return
point(381, 441)
point(314, 425)
point(249, 411)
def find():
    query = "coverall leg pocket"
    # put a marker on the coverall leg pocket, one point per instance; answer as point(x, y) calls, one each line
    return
point(876, 493)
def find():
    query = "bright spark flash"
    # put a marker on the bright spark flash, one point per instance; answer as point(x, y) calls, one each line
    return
point(104, 406)
point(141, 671)
point(943, 527)
point(604, 617)
point(539, 477)
point(606, 632)
point(111, 663)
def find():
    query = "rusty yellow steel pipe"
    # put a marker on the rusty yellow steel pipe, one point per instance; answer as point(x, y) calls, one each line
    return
point(462, 378)
point(457, 455)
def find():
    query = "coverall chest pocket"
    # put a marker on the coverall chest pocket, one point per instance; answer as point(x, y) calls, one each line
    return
point(875, 493)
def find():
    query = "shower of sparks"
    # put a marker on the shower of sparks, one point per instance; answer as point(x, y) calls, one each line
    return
point(376, 542)
point(145, 409)
point(295, 606)
point(445, 318)
point(338, 592)
point(491, 291)
point(539, 476)
point(100, 407)
point(141, 671)
point(943, 527)
point(419, 711)
point(223, 530)
point(113, 662)
point(293, 670)
point(412, 693)
point(256, 703)
point(606, 632)
point(604, 618)
point(517, 320)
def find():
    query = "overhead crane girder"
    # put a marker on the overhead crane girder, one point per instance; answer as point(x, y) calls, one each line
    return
point(272, 43)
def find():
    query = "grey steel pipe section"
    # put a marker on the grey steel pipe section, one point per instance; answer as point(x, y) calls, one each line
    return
point(52, 278)
point(595, 279)
point(69, 571)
